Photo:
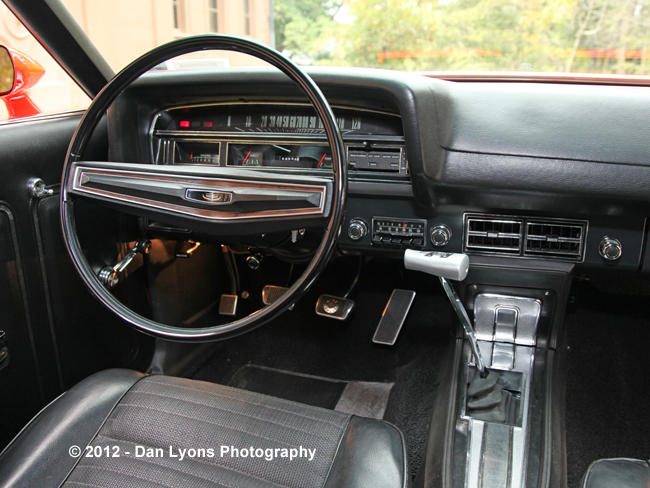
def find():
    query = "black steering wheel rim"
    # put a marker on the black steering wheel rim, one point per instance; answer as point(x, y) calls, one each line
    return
point(96, 111)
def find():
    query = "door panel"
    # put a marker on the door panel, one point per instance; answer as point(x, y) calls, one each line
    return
point(88, 337)
point(20, 383)
point(57, 332)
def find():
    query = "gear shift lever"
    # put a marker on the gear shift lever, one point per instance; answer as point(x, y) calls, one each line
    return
point(448, 266)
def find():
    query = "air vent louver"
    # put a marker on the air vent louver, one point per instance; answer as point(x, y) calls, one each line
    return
point(525, 236)
point(554, 239)
point(500, 235)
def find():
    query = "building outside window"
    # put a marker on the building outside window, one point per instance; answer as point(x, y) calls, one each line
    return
point(178, 7)
point(213, 15)
point(247, 17)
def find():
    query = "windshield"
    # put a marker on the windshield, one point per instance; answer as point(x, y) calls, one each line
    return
point(593, 36)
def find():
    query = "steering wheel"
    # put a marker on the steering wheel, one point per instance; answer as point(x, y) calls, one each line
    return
point(213, 196)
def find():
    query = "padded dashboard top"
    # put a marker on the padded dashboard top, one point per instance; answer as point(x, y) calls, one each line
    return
point(581, 122)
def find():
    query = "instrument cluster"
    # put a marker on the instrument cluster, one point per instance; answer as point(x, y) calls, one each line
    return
point(272, 136)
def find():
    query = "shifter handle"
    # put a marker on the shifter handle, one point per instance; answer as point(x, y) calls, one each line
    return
point(442, 264)
point(448, 266)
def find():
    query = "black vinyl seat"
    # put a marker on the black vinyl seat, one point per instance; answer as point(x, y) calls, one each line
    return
point(151, 420)
point(617, 473)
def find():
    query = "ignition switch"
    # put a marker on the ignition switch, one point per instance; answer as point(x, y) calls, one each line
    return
point(254, 261)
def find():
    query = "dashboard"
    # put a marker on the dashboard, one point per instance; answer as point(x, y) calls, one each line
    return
point(545, 173)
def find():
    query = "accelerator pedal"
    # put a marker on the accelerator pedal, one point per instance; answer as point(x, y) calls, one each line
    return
point(393, 317)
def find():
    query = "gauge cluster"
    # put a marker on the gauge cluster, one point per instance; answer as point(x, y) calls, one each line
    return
point(276, 137)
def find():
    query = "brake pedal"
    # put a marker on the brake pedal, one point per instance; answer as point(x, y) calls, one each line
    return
point(271, 293)
point(334, 307)
point(393, 317)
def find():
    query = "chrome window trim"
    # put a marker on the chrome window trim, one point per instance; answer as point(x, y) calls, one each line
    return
point(32, 119)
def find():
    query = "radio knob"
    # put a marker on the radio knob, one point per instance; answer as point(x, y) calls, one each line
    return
point(357, 229)
point(610, 249)
point(440, 235)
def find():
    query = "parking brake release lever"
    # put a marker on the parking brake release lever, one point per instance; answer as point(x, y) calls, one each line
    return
point(110, 275)
point(448, 266)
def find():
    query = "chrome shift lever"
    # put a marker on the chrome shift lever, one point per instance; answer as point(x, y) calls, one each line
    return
point(458, 307)
point(448, 266)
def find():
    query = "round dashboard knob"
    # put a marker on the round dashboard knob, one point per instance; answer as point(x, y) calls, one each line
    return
point(610, 249)
point(440, 235)
point(357, 229)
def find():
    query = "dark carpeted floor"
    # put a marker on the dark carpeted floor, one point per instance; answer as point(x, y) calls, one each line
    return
point(304, 343)
point(608, 392)
point(311, 390)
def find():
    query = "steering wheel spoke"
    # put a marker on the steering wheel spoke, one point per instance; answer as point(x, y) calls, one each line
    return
point(203, 193)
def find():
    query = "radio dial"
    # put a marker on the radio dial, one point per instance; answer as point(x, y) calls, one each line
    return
point(440, 235)
point(357, 229)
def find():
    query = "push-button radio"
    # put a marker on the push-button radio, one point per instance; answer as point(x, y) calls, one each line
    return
point(398, 233)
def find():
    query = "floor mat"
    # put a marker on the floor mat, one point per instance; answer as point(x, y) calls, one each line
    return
point(608, 393)
point(364, 398)
point(318, 346)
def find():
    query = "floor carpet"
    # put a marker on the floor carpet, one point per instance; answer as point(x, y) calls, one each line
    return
point(608, 392)
point(303, 343)
point(363, 398)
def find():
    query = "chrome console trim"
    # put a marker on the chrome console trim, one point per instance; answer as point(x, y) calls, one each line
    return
point(486, 309)
point(497, 453)
point(486, 468)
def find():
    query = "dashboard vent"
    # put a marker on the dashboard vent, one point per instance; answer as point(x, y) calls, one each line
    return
point(554, 239)
point(488, 234)
point(525, 236)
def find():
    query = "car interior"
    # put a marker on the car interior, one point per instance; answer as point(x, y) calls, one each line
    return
point(377, 278)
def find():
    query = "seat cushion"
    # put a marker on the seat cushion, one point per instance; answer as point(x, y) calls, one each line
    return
point(179, 432)
point(617, 472)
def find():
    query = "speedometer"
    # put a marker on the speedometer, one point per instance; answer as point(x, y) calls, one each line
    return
point(299, 156)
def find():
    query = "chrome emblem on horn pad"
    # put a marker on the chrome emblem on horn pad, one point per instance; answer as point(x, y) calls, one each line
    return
point(211, 197)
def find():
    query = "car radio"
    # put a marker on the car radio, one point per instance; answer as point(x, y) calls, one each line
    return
point(398, 233)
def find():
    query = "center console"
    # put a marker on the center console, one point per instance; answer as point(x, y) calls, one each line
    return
point(494, 423)
point(499, 403)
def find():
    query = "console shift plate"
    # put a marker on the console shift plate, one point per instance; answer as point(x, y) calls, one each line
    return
point(493, 321)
